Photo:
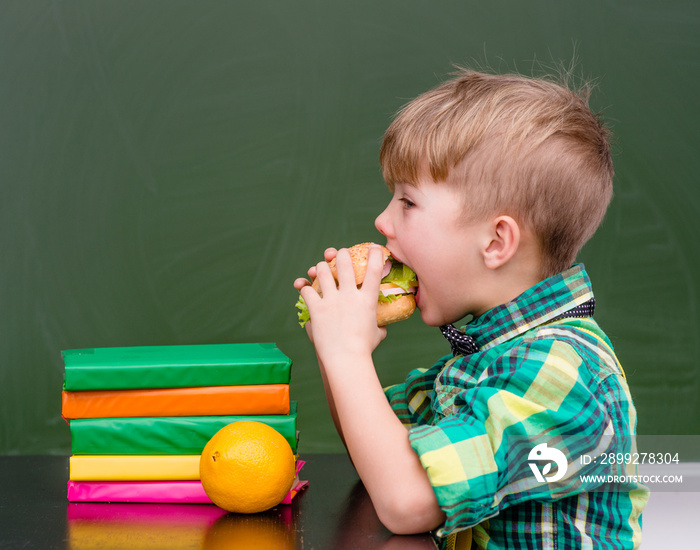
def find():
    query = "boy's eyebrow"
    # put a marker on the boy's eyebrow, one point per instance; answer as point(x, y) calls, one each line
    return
point(409, 184)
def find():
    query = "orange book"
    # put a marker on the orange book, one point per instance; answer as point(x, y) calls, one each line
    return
point(202, 401)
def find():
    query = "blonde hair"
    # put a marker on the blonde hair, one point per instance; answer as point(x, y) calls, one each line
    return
point(527, 147)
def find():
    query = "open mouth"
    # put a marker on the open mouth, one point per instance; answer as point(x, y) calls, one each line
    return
point(415, 286)
point(397, 279)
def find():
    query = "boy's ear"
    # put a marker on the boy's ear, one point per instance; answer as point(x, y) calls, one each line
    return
point(504, 243)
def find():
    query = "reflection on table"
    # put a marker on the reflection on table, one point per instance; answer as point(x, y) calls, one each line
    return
point(334, 512)
point(175, 526)
point(207, 527)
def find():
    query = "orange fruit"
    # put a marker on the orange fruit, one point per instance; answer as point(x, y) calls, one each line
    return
point(247, 467)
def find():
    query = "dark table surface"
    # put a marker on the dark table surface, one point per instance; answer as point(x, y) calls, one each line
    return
point(334, 512)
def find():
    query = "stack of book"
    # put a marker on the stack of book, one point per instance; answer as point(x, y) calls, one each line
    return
point(140, 417)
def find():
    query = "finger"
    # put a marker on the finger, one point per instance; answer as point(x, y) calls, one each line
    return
point(309, 295)
point(309, 331)
point(375, 266)
point(344, 269)
point(329, 254)
point(301, 283)
point(325, 277)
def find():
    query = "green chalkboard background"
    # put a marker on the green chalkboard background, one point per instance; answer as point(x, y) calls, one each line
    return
point(168, 167)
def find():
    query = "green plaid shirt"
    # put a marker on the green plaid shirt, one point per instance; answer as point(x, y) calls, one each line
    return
point(474, 421)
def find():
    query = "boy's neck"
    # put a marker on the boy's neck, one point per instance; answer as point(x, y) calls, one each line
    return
point(507, 282)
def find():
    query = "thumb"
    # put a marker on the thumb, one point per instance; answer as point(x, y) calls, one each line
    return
point(309, 331)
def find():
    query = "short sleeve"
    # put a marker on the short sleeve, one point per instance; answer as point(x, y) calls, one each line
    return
point(476, 457)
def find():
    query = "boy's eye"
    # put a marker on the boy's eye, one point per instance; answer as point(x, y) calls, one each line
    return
point(407, 203)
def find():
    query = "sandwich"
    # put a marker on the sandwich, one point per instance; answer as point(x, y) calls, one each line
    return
point(396, 300)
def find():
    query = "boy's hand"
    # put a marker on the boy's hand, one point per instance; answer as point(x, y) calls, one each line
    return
point(344, 318)
point(328, 255)
point(300, 283)
point(343, 328)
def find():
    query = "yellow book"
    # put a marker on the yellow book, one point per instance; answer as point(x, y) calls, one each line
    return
point(134, 467)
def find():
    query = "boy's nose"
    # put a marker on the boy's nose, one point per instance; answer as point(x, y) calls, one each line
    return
point(382, 224)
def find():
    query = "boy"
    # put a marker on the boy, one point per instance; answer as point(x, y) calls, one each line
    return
point(498, 181)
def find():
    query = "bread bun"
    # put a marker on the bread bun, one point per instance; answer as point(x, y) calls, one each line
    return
point(359, 254)
point(398, 310)
point(387, 312)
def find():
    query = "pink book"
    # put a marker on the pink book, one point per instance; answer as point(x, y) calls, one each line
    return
point(181, 492)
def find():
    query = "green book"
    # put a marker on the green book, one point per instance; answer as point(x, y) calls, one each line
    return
point(168, 435)
point(175, 366)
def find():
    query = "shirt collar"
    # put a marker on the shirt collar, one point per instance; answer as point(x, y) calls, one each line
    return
point(539, 304)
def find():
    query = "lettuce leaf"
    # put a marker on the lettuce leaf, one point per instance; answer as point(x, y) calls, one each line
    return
point(303, 311)
point(400, 275)
point(388, 299)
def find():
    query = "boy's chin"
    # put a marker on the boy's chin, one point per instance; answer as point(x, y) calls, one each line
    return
point(438, 319)
point(430, 319)
point(433, 315)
